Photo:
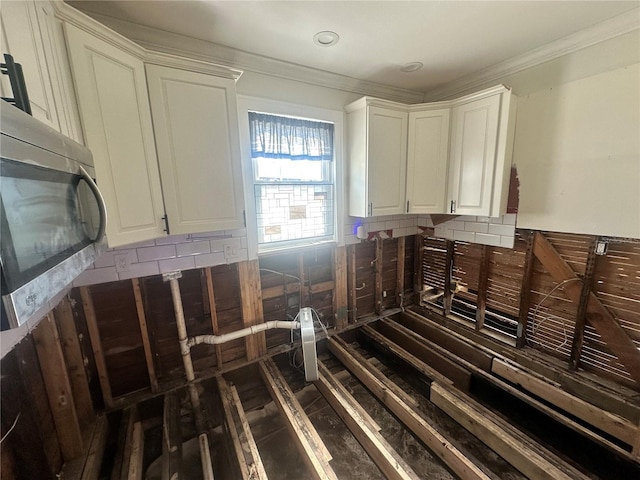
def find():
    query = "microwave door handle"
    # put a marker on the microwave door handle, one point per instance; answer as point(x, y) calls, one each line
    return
point(101, 205)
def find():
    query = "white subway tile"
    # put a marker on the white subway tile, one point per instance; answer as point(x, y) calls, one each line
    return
point(107, 259)
point(486, 239)
point(147, 254)
point(173, 264)
point(509, 219)
point(483, 219)
point(210, 260)
point(464, 236)
point(217, 245)
point(97, 275)
point(495, 220)
point(407, 222)
point(193, 248)
point(391, 224)
point(442, 232)
point(456, 225)
point(351, 240)
point(140, 270)
point(376, 226)
point(508, 230)
point(476, 227)
point(507, 242)
point(146, 243)
point(172, 239)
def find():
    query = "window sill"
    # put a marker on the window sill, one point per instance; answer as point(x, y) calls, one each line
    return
point(279, 249)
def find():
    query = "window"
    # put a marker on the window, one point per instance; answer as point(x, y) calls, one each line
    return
point(293, 180)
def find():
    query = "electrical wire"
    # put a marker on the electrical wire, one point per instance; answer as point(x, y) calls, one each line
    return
point(12, 427)
point(535, 314)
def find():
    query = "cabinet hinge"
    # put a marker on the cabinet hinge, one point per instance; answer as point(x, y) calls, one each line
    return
point(166, 223)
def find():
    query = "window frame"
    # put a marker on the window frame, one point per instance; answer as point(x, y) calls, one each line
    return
point(248, 103)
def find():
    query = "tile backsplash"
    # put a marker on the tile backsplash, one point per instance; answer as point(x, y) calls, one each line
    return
point(497, 232)
point(175, 252)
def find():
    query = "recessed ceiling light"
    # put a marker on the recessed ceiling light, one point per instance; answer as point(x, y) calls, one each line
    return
point(326, 38)
point(411, 67)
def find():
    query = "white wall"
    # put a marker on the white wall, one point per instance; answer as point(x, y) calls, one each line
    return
point(577, 151)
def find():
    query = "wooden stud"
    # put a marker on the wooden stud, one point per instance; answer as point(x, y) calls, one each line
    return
point(171, 438)
point(214, 314)
point(252, 314)
point(483, 282)
point(95, 454)
point(417, 267)
point(136, 453)
point(616, 426)
point(120, 466)
point(385, 391)
point(383, 455)
point(426, 370)
point(598, 315)
point(58, 387)
point(96, 345)
point(400, 272)
point(305, 436)
point(146, 343)
point(340, 302)
point(246, 450)
point(581, 315)
point(448, 297)
point(75, 361)
point(351, 281)
point(496, 434)
point(378, 274)
point(525, 293)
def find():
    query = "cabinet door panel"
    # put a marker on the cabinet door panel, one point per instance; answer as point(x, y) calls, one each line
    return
point(23, 39)
point(387, 160)
point(473, 157)
point(195, 122)
point(115, 113)
point(428, 156)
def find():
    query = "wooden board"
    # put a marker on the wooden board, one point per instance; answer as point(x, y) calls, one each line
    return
point(614, 425)
point(75, 362)
point(171, 438)
point(95, 453)
point(340, 289)
point(56, 381)
point(362, 427)
point(252, 314)
point(386, 392)
point(136, 453)
point(245, 448)
point(506, 442)
point(142, 320)
point(96, 345)
point(305, 436)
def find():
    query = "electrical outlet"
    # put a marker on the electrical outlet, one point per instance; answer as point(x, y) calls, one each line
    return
point(230, 250)
point(122, 262)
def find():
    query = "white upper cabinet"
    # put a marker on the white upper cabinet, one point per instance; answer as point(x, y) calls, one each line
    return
point(33, 36)
point(198, 149)
point(377, 134)
point(481, 149)
point(427, 160)
point(114, 108)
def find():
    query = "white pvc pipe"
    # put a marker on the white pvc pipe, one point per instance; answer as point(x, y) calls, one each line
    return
point(227, 337)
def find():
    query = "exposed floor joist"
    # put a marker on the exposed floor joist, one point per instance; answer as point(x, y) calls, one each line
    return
point(171, 438)
point(363, 427)
point(249, 461)
point(309, 443)
point(390, 394)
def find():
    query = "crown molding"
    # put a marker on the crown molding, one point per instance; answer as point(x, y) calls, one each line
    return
point(201, 50)
point(601, 32)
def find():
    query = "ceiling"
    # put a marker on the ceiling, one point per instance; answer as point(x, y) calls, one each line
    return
point(453, 39)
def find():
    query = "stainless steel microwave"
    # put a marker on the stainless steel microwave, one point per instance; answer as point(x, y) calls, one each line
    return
point(52, 216)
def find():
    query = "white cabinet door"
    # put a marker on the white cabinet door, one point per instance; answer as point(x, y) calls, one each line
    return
point(387, 160)
point(22, 38)
point(427, 160)
point(473, 156)
point(196, 129)
point(115, 113)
